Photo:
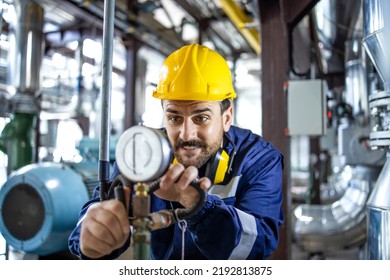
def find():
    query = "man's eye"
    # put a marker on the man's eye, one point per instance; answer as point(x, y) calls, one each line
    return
point(200, 119)
point(174, 119)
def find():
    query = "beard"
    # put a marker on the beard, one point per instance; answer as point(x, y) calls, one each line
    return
point(207, 151)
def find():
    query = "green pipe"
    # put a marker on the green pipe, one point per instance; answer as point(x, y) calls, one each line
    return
point(141, 240)
point(16, 140)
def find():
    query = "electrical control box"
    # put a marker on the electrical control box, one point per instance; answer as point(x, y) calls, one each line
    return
point(306, 107)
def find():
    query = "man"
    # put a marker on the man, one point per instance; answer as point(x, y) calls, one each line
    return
point(242, 212)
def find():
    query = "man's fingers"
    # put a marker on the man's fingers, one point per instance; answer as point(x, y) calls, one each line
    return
point(189, 175)
point(117, 209)
point(171, 176)
point(205, 183)
point(93, 246)
point(104, 228)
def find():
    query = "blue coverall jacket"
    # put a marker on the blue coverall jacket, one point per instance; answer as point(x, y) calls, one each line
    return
point(240, 218)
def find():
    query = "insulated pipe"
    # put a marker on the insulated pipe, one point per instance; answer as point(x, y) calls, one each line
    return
point(356, 78)
point(333, 26)
point(342, 224)
point(26, 48)
point(376, 40)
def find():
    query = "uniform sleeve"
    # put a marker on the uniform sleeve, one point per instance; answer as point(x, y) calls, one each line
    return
point(245, 225)
point(74, 238)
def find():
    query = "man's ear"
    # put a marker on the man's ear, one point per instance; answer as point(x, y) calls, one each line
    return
point(227, 118)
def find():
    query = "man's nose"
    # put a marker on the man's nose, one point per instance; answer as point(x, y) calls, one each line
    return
point(188, 130)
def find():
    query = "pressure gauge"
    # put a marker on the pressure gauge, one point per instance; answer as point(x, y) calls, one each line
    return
point(143, 154)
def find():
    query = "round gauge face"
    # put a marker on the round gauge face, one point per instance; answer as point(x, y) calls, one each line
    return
point(143, 154)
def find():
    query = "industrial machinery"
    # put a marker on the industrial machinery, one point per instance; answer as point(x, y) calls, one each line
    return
point(40, 202)
point(377, 45)
point(39, 206)
point(342, 224)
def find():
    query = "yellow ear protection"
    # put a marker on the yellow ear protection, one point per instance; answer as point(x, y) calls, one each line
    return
point(219, 165)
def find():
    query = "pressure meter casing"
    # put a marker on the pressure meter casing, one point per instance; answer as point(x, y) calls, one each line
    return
point(143, 154)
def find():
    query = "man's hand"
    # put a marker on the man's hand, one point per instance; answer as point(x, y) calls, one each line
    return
point(104, 228)
point(175, 185)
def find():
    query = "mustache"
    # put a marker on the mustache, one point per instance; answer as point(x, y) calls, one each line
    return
point(191, 143)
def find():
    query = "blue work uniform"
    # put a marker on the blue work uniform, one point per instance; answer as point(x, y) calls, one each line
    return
point(240, 218)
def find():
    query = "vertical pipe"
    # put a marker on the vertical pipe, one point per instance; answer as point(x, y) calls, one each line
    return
point(141, 212)
point(26, 50)
point(25, 55)
point(104, 151)
point(356, 78)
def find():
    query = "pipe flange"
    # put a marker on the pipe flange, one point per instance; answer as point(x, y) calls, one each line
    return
point(379, 99)
point(380, 139)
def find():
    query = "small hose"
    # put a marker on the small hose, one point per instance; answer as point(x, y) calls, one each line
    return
point(116, 192)
point(184, 213)
point(119, 182)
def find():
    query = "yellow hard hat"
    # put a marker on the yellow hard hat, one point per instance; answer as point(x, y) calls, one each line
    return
point(195, 72)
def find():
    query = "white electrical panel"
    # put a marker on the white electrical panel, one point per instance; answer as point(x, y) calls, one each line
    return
point(306, 107)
